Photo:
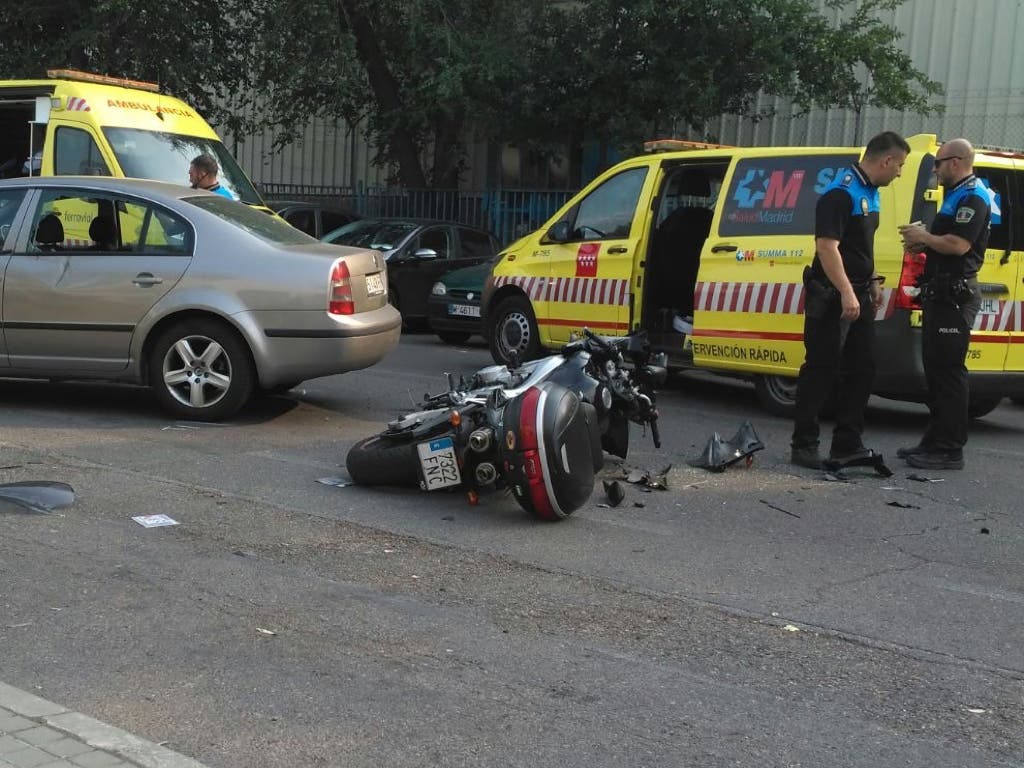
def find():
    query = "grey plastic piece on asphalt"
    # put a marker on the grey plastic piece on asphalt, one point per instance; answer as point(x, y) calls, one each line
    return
point(92, 732)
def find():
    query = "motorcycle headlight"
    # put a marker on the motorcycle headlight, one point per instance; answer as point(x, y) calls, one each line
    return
point(439, 289)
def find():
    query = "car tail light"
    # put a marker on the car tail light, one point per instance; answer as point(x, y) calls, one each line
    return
point(341, 302)
point(907, 290)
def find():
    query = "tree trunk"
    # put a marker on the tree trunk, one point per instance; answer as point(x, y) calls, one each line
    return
point(400, 141)
point(447, 153)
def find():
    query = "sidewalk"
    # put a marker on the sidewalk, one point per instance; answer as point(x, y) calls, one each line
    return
point(35, 733)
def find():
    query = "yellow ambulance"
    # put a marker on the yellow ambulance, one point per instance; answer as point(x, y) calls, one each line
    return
point(704, 246)
point(79, 123)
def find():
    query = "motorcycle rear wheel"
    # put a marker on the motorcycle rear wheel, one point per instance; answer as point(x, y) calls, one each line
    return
point(377, 461)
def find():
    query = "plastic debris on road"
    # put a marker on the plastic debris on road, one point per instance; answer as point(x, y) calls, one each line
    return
point(719, 454)
point(154, 521)
point(338, 482)
point(37, 496)
point(614, 493)
point(923, 479)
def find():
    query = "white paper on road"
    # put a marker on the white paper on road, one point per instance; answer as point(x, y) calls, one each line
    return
point(154, 521)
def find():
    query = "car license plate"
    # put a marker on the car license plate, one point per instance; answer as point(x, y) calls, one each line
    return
point(439, 465)
point(465, 310)
point(989, 307)
point(374, 284)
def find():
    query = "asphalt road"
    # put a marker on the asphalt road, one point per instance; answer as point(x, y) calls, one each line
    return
point(414, 630)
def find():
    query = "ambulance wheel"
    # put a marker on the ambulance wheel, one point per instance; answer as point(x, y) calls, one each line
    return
point(376, 461)
point(982, 406)
point(512, 331)
point(777, 394)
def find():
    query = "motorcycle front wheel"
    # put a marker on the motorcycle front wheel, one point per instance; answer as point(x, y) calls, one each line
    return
point(377, 461)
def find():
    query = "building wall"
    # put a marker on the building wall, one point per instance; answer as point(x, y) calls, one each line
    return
point(973, 49)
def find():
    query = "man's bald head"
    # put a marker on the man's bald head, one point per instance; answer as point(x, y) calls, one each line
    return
point(960, 147)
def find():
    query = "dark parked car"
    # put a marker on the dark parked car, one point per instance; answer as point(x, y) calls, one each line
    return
point(312, 218)
point(455, 303)
point(418, 252)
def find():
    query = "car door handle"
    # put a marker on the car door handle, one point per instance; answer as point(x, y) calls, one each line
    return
point(993, 288)
point(618, 249)
point(145, 279)
point(724, 247)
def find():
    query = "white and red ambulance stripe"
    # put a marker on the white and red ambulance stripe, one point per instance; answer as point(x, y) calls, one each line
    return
point(78, 104)
point(571, 290)
point(1008, 318)
point(766, 298)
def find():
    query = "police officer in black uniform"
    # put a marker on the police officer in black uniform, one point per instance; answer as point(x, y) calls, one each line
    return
point(841, 294)
point(955, 250)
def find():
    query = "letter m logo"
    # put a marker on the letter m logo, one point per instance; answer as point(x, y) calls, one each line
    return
point(782, 193)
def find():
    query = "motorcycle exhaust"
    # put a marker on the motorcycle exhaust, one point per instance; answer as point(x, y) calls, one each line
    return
point(486, 473)
point(480, 440)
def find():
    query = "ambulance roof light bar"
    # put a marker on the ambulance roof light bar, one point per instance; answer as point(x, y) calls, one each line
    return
point(680, 145)
point(89, 77)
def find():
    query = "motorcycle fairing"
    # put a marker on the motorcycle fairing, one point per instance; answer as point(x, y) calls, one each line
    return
point(719, 454)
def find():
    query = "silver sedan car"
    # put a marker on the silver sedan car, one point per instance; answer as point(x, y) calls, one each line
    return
point(202, 298)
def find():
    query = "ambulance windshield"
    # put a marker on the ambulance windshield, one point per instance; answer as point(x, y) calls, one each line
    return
point(166, 157)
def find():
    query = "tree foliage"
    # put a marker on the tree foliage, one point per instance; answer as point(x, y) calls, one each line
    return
point(426, 74)
point(195, 49)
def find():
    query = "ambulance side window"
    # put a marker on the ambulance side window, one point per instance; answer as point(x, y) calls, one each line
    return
point(776, 195)
point(608, 211)
point(998, 180)
point(76, 154)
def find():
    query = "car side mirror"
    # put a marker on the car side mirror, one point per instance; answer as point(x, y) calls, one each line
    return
point(558, 232)
point(425, 253)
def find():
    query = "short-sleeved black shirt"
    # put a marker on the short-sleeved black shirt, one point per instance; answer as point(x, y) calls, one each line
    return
point(966, 212)
point(848, 212)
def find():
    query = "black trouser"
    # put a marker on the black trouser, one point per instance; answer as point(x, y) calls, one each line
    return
point(831, 351)
point(946, 334)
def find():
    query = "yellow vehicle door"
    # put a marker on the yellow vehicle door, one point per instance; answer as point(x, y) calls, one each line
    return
point(748, 307)
point(590, 252)
point(997, 340)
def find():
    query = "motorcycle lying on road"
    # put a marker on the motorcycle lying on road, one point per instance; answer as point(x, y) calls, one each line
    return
point(536, 428)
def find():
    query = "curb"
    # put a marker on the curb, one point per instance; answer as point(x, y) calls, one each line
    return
point(92, 732)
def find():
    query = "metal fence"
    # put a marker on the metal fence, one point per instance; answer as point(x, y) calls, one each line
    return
point(507, 213)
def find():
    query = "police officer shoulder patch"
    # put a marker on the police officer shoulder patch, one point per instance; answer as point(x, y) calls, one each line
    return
point(964, 214)
point(847, 179)
point(864, 207)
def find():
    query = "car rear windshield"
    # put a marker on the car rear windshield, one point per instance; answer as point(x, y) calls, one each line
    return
point(166, 157)
point(252, 220)
point(379, 235)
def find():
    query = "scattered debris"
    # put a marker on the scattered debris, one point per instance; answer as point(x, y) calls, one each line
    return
point(639, 504)
point(38, 496)
point(779, 509)
point(613, 491)
point(923, 479)
point(265, 631)
point(791, 628)
point(901, 505)
point(836, 477)
point(646, 479)
point(864, 458)
point(154, 521)
point(449, 518)
point(719, 454)
point(976, 710)
point(338, 482)
point(983, 530)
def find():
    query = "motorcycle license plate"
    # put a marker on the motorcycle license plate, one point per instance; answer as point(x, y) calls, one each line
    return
point(374, 284)
point(464, 310)
point(438, 463)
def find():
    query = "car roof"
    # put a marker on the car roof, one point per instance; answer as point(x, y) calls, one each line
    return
point(164, 189)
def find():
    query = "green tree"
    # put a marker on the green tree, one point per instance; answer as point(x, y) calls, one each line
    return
point(195, 49)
